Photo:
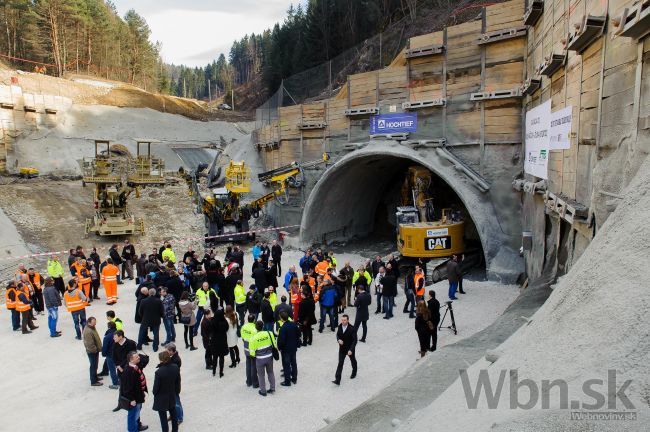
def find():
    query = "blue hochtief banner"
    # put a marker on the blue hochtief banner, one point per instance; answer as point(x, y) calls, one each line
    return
point(393, 123)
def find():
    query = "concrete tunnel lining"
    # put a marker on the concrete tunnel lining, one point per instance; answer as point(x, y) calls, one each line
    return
point(344, 200)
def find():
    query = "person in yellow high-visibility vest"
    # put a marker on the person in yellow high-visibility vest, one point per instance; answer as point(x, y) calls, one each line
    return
point(260, 347)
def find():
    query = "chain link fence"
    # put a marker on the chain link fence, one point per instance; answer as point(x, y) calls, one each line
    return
point(326, 79)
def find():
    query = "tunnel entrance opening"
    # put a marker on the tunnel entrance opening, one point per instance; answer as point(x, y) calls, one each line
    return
point(358, 202)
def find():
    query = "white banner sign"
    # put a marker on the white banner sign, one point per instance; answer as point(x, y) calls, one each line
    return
point(561, 129)
point(538, 122)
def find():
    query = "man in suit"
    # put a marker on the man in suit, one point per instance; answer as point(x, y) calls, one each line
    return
point(434, 313)
point(288, 343)
point(362, 302)
point(152, 312)
point(346, 336)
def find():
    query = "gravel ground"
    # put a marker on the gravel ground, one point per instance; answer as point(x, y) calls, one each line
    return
point(212, 402)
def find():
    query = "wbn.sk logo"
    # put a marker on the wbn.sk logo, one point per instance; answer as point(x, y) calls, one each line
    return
point(603, 394)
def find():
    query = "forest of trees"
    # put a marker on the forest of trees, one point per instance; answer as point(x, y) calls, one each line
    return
point(88, 36)
point(82, 36)
point(308, 36)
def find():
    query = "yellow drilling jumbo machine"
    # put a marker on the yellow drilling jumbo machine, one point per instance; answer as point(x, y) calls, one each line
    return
point(115, 177)
point(223, 202)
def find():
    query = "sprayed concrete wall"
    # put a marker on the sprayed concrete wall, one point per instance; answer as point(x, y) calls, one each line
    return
point(21, 112)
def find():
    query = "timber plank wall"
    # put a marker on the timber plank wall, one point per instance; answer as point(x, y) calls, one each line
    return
point(607, 86)
point(482, 133)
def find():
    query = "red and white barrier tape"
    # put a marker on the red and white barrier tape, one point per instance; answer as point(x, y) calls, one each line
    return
point(144, 245)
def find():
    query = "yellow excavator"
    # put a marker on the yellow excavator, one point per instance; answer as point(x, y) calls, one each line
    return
point(114, 180)
point(423, 232)
point(226, 214)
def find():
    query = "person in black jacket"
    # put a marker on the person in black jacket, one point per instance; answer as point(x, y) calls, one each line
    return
point(388, 292)
point(409, 292)
point(394, 265)
point(120, 354)
point(175, 287)
point(307, 316)
point(94, 257)
point(151, 312)
point(237, 256)
point(434, 311)
point(283, 306)
point(276, 254)
point(288, 343)
point(117, 260)
point(268, 318)
point(376, 265)
point(423, 326)
point(219, 341)
point(234, 275)
point(272, 274)
point(166, 386)
point(133, 386)
point(362, 302)
point(346, 336)
point(259, 276)
point(253, 301)
point(206, 329)
point(129, 256)
point(122, 347)
point(176, 359)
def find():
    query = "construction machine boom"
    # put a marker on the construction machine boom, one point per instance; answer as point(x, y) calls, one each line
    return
point(226, 214)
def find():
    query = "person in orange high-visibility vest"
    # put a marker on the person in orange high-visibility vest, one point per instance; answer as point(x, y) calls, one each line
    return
point(296, 298)
point(26, 287)
point(84, 280)
point(11, 298)
point(24, 306)
point(321, 267)
point(75, 302)
point(309, 279)
point(419, 284)
point(78, 265)
point(109, 280)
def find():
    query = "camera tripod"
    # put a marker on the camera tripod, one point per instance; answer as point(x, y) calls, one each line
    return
point(449, 309)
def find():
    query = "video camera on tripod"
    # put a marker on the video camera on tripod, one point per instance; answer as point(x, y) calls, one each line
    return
point(448, 309)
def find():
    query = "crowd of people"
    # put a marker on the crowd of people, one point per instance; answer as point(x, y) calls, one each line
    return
point(207, 296)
